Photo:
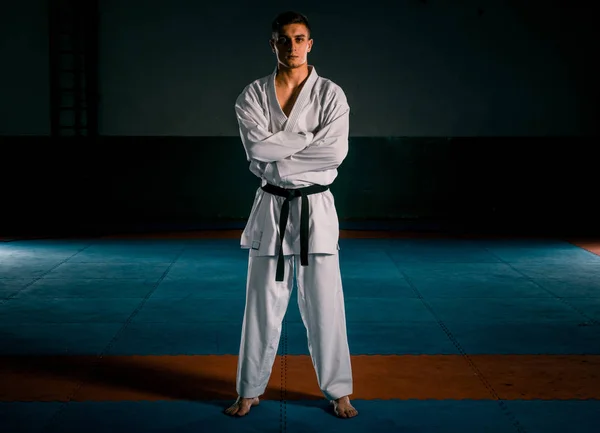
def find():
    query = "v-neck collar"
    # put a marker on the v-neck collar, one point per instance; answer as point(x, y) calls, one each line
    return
point(277, 111)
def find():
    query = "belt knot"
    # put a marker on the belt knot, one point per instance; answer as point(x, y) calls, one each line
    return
point(290, 194)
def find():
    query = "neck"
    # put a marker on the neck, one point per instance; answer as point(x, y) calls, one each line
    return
point(292, 77)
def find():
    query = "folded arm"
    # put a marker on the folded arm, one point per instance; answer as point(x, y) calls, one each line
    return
point(260, 144)
point(328, 149)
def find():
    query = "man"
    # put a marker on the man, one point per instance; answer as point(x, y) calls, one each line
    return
point(294, 128)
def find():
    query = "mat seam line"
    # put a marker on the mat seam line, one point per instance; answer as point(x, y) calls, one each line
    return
point(35, 280)
point(101, 355)
point(590, 320)
point(503, 406)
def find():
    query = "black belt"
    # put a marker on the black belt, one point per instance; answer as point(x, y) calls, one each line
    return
point(291, 194)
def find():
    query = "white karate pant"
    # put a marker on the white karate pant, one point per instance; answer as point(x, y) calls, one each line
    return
point(321, 304)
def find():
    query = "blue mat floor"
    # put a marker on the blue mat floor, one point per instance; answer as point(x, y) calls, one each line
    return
point(403, 297)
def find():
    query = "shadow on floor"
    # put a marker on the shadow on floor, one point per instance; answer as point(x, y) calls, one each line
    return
point(136, 378)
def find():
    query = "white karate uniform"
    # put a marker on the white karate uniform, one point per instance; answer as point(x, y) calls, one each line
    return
point(302, 150)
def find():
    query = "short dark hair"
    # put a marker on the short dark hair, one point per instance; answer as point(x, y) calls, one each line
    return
point(289, 17)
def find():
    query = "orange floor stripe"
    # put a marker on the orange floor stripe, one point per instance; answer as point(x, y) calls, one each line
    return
point(236, 233)
point(593, 246)
point(543, 376)
point(196, 234)
point(150, 378)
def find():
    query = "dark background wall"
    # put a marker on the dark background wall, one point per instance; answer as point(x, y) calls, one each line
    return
point(472, 113)
point(24, 87)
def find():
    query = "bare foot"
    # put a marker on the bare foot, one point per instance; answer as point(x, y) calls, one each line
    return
point(241, 406)
point(343, 408)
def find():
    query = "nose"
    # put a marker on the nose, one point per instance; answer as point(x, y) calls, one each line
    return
point(291, 44)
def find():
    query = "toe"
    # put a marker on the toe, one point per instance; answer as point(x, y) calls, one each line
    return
point(231, 410)
point(242, 411)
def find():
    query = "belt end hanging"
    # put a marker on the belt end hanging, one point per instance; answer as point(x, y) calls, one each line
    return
point(304, 258)
point(279, 274)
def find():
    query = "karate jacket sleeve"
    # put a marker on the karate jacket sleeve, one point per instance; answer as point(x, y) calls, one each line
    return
point(329, 146)
point(260, 144)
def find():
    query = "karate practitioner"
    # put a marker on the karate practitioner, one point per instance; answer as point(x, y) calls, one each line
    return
point(294, 127)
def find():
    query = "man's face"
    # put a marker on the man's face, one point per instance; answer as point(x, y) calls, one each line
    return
point(292, 45)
